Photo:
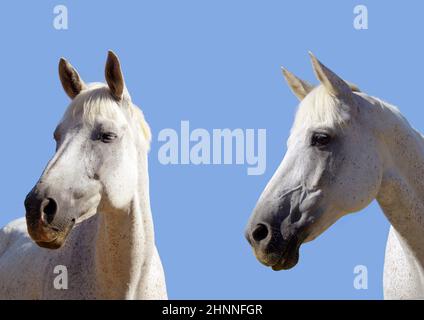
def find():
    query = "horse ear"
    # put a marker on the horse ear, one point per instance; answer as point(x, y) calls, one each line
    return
point(114, 77)
point(299, 87)
point(70, 79)
point(332, 82)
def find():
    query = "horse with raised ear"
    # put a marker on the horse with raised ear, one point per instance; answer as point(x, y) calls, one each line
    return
point(345, 149)
point(91, 204)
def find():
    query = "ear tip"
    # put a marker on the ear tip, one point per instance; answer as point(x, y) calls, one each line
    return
point(286, 73)
point(111, 54)
point(62, 61)
point(314, 58)
point(64, 65)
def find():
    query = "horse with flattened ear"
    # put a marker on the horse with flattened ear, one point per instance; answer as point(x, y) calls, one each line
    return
point(91, 204)
point(345, 149)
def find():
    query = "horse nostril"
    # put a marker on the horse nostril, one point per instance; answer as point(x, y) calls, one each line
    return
point(48, 210)
point(260, 232)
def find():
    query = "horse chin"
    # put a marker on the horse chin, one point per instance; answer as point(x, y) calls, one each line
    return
point(50, 245)
point(290, 258)
point(57, 242)
point(287, 263)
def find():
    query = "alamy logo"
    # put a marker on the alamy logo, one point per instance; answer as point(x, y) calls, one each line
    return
point(360, 281)
point(360, 21)
point(60, 21)
point(223, 146)
point(60, 281)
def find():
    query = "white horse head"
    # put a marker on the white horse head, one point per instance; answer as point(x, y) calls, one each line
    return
point(101, 156)
point(332, 167)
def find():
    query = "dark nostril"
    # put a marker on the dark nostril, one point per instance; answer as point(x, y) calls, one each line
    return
point(260, 232)
point(48, 210)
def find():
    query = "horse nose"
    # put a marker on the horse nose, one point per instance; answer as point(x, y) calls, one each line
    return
point(267, 242)
point(48, 210)
point(40, 208)
point(265, 237)
point(257, 234)
point(260, 232)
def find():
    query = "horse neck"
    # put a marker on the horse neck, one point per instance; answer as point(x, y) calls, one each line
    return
point(401, 194)
point(125, 243)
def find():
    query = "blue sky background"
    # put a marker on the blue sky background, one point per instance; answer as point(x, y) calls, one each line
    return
point(216, 64)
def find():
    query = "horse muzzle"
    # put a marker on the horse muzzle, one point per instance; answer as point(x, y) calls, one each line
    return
point(43, 224)
point(271, 249)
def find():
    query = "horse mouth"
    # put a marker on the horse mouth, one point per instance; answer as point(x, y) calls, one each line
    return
point(51, 238)
point(290, 257)
point(287, 260)
point(54, 244)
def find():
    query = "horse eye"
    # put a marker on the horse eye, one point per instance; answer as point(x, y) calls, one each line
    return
point(320, 139)
point(108, 137)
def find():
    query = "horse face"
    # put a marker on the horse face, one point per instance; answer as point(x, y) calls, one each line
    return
point(94, 167)
point(332, 167)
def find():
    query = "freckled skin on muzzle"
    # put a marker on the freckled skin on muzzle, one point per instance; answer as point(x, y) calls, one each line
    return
point(43, 224)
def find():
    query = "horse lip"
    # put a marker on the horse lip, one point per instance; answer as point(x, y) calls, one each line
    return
point(40, 232)
point(58, 241)
point(43, 241)
point(58, 237)
point(54, 244)
point(268, 261)
point(49, 241)
point(290, 256)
